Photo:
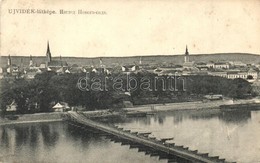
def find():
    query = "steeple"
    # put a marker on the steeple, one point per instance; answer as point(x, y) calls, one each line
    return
point(48, 53)
point(21, 63)
point(92, 63)
point(9, 64)
point(31, 62)
point(61, 61)
point(101, 63)
point(186, 52)
point(186, 56)
point(9, 60)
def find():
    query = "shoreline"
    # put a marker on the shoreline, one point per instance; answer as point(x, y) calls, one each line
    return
point(33, 118)
point(149, 108)
point(28, 122)
point(197, 105)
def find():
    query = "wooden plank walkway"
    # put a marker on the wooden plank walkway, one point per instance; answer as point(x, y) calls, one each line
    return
point(171, 149)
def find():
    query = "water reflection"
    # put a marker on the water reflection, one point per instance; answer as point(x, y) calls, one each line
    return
point(4, 139)
point(34, 137)
point(159, 119)
point(49, 134)
point(230, 134)
point(227, 116)
point(236, 116)
point(21, 135)
point(61, 142)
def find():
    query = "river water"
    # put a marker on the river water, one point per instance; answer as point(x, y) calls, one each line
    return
point(233, 135)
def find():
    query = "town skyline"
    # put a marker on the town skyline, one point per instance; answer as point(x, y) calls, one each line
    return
point(131, 28)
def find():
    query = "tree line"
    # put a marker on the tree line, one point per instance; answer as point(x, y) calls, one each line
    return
point(48, 88)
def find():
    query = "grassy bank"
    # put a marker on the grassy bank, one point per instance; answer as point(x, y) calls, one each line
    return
point(187, 105)
point(57, 116)
point(32, 118)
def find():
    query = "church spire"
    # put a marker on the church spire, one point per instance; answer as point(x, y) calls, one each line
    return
point(61, 61)
point(21, 63)
point(31, 61)
point(9, 60)
point(101, 63)
point(9, 63)
point(186, 56)
point(48, 53)
point(187, 51)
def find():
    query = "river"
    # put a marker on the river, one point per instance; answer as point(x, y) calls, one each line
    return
point(233, 135)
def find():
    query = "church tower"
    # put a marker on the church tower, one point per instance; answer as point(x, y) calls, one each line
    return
point(186, 56)
point(9, 61)
point(31, 61)
point(48, 53)
point(61, 64)
point(21, 63)
point(101, 63)
point(9, 65)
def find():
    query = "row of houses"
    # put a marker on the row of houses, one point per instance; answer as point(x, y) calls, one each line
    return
point(230, 70)
point(192, 69)
point(250, 75)
point(212, 65)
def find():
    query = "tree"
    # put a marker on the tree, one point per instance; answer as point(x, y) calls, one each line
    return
point(250, 77)
point(5, 95)
point(242, 88)
point(45, 93)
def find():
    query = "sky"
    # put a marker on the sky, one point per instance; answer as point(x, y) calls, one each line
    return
point(130, 27)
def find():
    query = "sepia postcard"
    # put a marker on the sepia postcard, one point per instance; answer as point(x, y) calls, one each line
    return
point(123, 81)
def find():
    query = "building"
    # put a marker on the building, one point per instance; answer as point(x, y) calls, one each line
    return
point(59, 108)
point(238, 64)
point(235, 75)
point(30, 74)
point(12, 69)
point(1, 73)
point(219, 73)
point(201, 64)
point(12, 107)
point(187, 63)
point(221, 65)
point(9, 68)
point(50, 64)
point(129, 68)
point(186, 56)
point(253, 73)
point(250, 75)
point(31, 62)
point(210, 65)
point(48, 54)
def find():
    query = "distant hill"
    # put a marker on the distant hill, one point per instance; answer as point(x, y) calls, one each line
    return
point(175, 59)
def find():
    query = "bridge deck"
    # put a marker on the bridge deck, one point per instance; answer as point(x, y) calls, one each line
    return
point(159, 146)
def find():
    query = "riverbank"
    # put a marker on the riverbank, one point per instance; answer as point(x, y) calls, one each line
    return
point(33, 118)
point(152, 108)
point(188, 105)
point(176, 106)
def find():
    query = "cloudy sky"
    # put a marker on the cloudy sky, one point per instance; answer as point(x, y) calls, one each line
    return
point(131, 27)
